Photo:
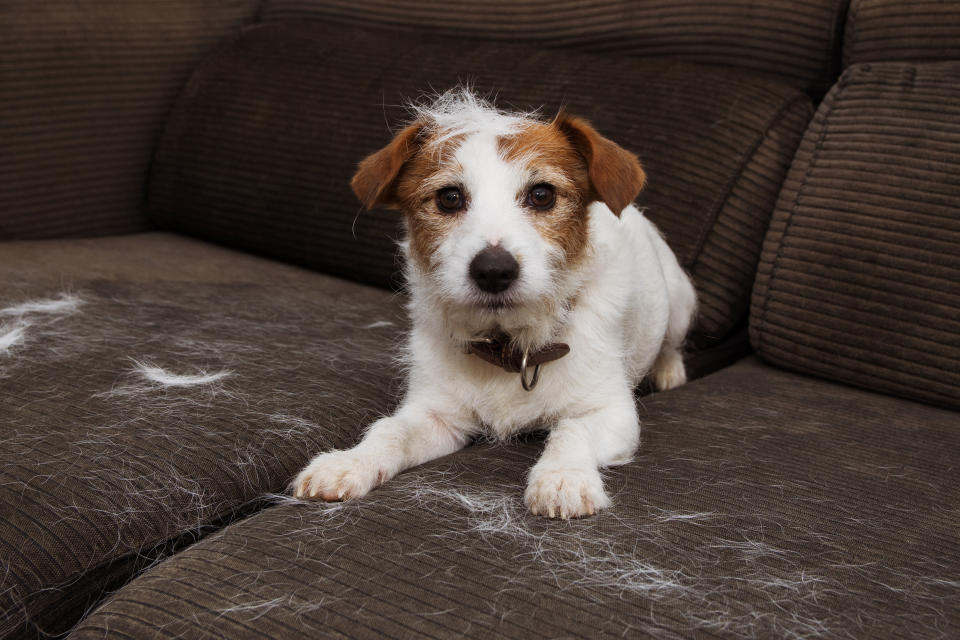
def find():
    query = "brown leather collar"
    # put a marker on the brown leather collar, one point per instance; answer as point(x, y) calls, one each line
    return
point(500, 352)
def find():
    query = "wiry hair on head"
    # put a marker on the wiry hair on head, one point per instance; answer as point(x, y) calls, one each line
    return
point(460, 111)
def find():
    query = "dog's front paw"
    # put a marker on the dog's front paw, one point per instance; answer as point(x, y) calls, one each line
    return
point(339, 475)
point(565, 493)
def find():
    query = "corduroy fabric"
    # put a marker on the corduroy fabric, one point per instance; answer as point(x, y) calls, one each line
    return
point(259, 151)
point(901, 30)
point(762, 504)
point(859, 280)
point(84, 89)
point(723, 259)
point(149, 470)
point(796, 39)
point(102, 470)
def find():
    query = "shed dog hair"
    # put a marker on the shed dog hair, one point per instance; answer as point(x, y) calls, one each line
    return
point(521, 239)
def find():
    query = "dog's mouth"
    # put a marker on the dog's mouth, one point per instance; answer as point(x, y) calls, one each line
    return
point(494, 305)
point(497, 305)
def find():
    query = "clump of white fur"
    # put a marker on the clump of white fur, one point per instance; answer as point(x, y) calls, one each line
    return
point(460, 112)
point(145, 379)
point(167, 379)
point(65, 303)
point(12, 335)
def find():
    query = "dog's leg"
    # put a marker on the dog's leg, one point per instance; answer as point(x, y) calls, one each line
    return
point(669, 370)
point(415, 434)
point(566, 481)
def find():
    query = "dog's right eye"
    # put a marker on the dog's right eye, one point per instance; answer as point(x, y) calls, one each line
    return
point(450, 200)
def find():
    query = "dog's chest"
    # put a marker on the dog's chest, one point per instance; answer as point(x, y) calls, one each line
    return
point(501, 406)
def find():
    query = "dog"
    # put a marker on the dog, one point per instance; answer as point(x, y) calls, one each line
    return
point(539, 295)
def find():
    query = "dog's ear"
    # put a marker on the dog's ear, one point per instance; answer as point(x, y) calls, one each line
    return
point(615, 174)
point(375, 180)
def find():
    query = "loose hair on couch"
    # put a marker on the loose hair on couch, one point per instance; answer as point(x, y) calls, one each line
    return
point(589, 559)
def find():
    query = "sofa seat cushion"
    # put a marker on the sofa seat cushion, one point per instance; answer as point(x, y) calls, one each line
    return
point(153, 386)
point(275, 122)
point(762, 504)
point(859, 279)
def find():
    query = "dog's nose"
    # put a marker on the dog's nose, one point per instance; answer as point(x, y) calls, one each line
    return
point(494, 269)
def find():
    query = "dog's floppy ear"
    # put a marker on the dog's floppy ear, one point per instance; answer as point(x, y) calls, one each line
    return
point(375, 180)
point(615, 174)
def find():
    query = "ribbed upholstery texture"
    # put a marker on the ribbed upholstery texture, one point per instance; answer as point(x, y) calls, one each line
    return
point(85, 86)
point(859, 280)
point(796, 39)
point(763, 504)
point(260, 149)
point(901, 30)
point(101, 467)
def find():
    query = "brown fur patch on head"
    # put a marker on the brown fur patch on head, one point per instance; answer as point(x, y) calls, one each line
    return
point(547, 156)
point(406, 174)
point(431, 169)
point(615, 174)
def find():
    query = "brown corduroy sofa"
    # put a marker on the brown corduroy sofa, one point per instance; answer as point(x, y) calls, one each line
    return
point(174, 201)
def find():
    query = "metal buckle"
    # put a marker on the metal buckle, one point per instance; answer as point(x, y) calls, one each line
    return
point(528, 386)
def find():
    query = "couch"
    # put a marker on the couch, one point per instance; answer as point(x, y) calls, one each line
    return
point(192, 304)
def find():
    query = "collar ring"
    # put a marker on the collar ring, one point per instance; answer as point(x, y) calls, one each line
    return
point(528, 385)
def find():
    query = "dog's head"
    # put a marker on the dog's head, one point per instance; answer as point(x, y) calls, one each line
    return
point(496, 205)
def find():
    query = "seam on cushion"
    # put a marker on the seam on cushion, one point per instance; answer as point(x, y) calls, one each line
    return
point(150, 553)
point(250, 22)
point(258, 13)
point(846, 50)
point(912, 67)
point(721, 200)
point(838, 27)
point(177, 107)
point(815, 155)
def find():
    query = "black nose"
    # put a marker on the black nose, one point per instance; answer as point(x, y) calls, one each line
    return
point(494, 269)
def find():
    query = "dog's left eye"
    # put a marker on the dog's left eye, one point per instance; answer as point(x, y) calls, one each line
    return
point(541, 196)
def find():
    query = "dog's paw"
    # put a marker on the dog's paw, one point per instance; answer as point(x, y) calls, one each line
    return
point(565, 493)
point(339, 475)
point(669, 371)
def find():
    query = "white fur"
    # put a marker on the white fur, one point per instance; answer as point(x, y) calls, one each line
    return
point(66, 303)
point(167, 379)
point(11, 335)
point(624, 310)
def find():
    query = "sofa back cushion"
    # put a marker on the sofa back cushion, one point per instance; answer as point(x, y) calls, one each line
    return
point(795, 39)
point(260, 148)
point(85, 86)
point(901, 30)
point(859, 279)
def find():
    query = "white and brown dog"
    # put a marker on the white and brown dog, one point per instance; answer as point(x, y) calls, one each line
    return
point(523, 251)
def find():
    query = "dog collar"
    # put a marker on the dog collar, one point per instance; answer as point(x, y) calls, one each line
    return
point(500, 352)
